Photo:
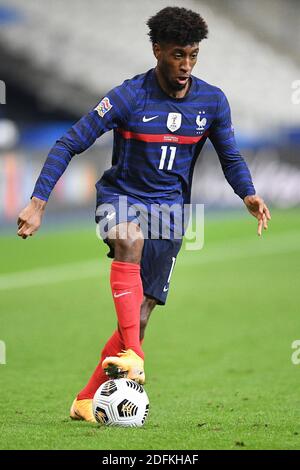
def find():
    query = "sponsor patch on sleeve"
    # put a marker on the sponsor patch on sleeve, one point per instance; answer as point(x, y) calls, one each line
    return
point(103, 107)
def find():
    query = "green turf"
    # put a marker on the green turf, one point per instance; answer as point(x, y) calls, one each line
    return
point(218, 356)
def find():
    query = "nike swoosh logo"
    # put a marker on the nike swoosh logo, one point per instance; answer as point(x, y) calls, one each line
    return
point(120, 295)
point(165, 289)
point(149, 119)
point(111, 215)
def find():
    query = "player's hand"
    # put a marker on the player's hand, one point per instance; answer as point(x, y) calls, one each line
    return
point(30, 218)
point(258, 209)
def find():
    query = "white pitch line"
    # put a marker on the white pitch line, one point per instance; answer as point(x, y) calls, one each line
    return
point(232, 249)
point(53, 274)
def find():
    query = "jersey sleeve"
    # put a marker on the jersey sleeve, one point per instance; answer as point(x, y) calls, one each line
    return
point(233, 165)
point(112, 111)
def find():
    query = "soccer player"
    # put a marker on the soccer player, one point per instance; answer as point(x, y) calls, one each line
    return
point(161, 120)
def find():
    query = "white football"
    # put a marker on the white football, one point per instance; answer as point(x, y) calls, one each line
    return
point(121, 402)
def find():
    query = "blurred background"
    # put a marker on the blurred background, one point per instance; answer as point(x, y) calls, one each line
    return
point(59, 58)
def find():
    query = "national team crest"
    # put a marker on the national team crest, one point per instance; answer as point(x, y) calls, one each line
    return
point(174, 121)
point(201, 123)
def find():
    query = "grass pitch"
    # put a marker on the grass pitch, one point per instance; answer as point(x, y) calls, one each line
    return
point(218, 356)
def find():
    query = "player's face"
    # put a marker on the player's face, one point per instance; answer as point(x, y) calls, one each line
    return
point(175, 64)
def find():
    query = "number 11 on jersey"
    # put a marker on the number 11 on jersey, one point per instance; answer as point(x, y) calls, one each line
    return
point(164, 150)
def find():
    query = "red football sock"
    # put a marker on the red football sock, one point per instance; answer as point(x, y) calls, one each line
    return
point(113, 346)
point(127, 290)
point(125, 277)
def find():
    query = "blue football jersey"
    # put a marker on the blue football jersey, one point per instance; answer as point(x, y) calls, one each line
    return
point(157, 140)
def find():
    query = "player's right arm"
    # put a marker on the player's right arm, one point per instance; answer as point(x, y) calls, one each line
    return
point(111, 112)
point(30, 218)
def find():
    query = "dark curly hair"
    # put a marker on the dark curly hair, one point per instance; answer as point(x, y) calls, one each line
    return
point(177, 25)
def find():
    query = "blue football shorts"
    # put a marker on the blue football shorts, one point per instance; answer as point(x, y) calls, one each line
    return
point(158, 256)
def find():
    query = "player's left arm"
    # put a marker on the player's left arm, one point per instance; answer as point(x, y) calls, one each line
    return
point(257, 207)
point(234, 166)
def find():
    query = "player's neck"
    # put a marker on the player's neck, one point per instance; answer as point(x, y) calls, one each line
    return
point(170, 91)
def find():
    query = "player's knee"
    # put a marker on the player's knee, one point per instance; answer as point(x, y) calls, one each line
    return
point(129, 243)
point(129, 251)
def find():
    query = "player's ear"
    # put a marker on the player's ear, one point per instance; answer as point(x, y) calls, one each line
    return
point(156, 50)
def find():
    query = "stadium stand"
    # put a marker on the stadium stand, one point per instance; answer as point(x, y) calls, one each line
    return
point(78, 53)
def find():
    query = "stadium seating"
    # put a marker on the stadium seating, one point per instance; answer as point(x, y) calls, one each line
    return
point(79, 50)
